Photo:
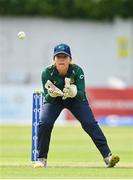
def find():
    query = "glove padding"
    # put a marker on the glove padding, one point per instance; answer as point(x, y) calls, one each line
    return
point(53, 91)
point(70, 91)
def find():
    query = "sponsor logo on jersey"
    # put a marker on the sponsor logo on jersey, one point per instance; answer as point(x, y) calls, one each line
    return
point(81, 76)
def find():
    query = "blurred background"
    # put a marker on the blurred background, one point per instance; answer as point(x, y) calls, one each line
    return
point(100, 34)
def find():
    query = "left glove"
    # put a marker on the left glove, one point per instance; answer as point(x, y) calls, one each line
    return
point(70, 91)
point(53, 91)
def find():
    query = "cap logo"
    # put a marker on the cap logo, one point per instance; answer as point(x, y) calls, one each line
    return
point(62, 47)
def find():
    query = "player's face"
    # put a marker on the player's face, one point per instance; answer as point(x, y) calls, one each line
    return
point(62, 61)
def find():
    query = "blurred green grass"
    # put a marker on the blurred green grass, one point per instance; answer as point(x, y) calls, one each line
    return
point(72, 153)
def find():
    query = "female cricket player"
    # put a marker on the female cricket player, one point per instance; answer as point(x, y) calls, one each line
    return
point(64, 87)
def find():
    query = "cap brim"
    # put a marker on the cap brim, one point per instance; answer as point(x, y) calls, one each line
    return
point(62, 52)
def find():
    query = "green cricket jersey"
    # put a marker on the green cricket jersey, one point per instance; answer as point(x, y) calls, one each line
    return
point(76, 75)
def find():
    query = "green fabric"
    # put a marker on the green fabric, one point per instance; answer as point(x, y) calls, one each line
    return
point(75, 73)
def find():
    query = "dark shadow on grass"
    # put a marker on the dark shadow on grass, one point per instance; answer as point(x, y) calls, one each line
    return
point(91, 167)
point(66, 166)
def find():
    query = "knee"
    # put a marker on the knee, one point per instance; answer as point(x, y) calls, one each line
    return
point(89, 125)
point(45, 125)
point(44, 128)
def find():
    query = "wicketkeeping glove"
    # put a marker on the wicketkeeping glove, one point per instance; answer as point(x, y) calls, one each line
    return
point(70, 90)
point(53, 91)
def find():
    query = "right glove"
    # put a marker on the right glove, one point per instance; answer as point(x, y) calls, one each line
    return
point(70, 90)
point(53, 91)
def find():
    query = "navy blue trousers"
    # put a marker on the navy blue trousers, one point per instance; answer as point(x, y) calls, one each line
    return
point(82, 112)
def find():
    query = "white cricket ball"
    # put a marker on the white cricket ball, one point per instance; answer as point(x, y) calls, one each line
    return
point(21, 35)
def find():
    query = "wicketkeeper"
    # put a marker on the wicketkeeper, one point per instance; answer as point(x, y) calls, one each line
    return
point(64, 87)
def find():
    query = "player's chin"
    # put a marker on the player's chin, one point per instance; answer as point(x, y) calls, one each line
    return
point(62, 66)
